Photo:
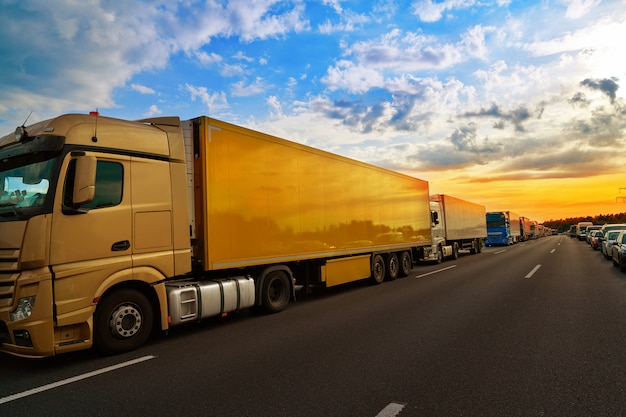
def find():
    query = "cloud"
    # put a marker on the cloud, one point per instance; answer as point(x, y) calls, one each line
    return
point(240, 89)
point(516, 116)
point(431, 11)
point(142, 89)
point(349, 22)
point(608, 86)
point(213, 101)
point(275, 106)
point(153, 111)
point(578, 8)
point(112, 42)
point(346, 75)
point(399, 51)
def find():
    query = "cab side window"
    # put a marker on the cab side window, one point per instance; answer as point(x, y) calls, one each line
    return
point(109, 181)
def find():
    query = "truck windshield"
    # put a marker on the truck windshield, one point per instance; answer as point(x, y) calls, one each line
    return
point(495, 220)
point(24, 187)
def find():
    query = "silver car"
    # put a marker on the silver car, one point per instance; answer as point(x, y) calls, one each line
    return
point(607, 243)
point(618, 251)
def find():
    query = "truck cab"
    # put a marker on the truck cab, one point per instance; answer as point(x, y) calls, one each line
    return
point(60, 182)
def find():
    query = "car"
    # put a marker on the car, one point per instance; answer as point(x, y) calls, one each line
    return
point(613, 226)
point(618, 251)
point(588, 232)
point(607, 242)
point(595, 239)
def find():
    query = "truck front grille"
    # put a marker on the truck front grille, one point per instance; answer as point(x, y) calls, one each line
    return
point(9, 271)
point(7, 289)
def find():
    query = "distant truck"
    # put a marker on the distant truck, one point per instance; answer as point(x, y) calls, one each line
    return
point(572, 231)
point(110, 229)
point(456, 225)
point(503, 228)
point(581, 230)
point(525, 228)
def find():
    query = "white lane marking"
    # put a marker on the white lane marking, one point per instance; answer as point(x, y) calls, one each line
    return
point(435, 272)
point(500, 251)
point(392, 410)
point(531, 273)
point(553, 250)
point(73, 379)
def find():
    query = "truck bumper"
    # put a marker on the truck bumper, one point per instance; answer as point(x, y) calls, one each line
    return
point(26, 324)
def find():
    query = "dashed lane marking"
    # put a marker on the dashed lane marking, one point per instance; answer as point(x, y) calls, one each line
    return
point(73, 379)
point(392, 410)
point(435, 272)
point(531, 273)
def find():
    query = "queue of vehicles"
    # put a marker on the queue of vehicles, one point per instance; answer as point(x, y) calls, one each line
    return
point(112, 229)
point(608, 239)
point(507, 228)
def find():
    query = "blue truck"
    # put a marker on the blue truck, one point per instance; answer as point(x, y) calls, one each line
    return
point(503, 228)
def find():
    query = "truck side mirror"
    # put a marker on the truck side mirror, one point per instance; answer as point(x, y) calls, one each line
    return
point(434, 217)
point(84, 180)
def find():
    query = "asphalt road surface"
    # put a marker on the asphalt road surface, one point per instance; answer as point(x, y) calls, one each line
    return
point(533, 329)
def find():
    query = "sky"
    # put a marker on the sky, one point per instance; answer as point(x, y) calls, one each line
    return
point(516, 105)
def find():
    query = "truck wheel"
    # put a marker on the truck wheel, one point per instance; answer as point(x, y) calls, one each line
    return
point(122, 322)
point(405, 264)
point(378, 269)
point(476, 247)
point(276, 292)
point(393, 267)
point(455, 250)
point(439, 254)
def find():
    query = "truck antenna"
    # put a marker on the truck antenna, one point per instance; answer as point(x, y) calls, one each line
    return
point(27, 117)
point(96, 113)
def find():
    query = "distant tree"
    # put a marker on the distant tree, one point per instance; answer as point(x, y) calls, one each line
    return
point(563, 225)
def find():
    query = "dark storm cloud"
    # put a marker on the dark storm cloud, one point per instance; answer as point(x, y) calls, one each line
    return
point(516, 116)
point(465, 139)
point(579, 99)
point(397, 114)
point(607, 85)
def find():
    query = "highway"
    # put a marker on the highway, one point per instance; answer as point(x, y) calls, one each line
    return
point(533, 329)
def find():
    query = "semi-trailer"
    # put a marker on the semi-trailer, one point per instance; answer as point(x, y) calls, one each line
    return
point(112, 229)
point(503, 228)
point(525, 228)
point(456, 225)
point(581, 230)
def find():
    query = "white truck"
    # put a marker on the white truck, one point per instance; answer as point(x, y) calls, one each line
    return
point(456, 225)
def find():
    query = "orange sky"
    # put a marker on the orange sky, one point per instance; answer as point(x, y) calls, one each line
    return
point(542, 199)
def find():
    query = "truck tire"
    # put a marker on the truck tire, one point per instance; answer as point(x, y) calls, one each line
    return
point(439, 254)
point(378, 270)
point(405, 264)
point(455, 250)
point(477, 247)
point(123, 321)
point(276, 292)
point(393, 267)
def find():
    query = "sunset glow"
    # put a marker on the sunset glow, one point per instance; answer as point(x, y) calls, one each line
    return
point(516, 105)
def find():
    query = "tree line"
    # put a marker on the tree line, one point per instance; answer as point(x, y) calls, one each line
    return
point(563, 225)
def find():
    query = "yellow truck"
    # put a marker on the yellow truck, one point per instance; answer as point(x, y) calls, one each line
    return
point(113, 229)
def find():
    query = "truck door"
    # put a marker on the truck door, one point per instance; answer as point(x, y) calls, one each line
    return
point(92, 242)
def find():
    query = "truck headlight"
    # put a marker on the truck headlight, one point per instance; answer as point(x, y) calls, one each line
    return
point(24, 308)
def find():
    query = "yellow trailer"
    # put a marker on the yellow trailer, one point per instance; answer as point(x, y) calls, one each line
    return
point(110, 228)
